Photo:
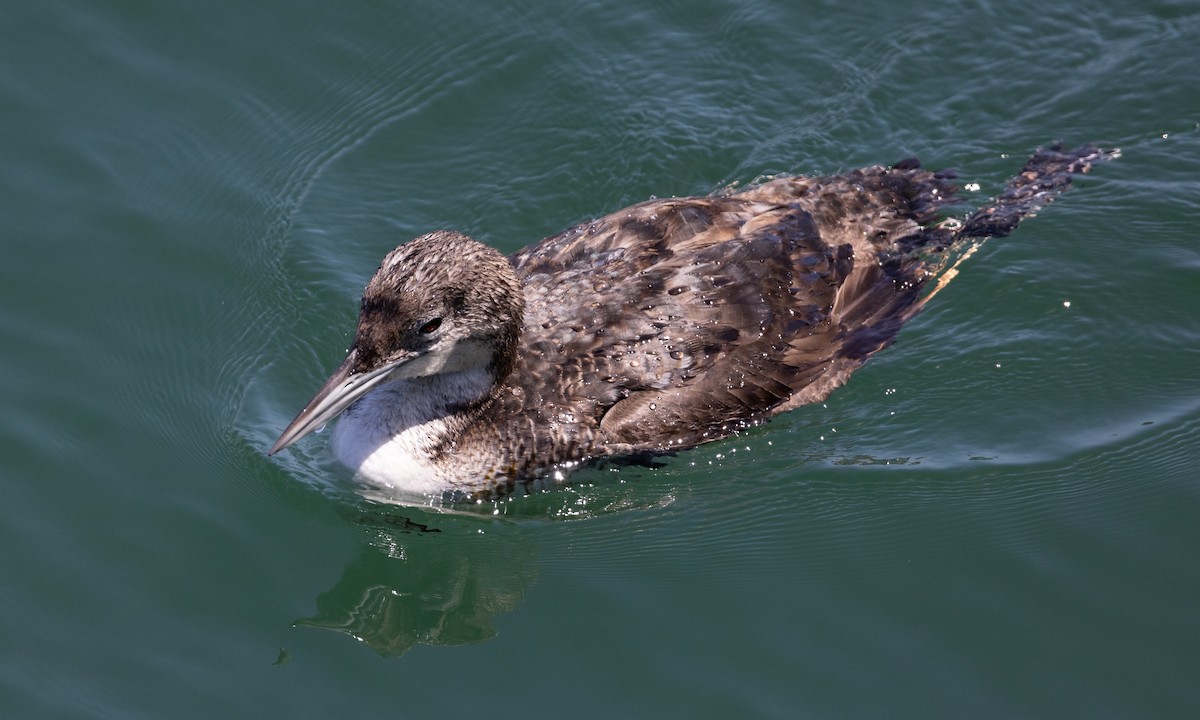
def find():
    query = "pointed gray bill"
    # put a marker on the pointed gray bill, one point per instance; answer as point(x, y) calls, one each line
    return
point(338, 393)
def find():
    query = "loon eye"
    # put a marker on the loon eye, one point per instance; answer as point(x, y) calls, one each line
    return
point(430, 326)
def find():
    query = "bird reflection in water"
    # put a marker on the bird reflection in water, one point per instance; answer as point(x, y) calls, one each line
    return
point(414, 584)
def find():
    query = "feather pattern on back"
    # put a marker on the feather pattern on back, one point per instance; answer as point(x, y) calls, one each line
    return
point(661, 326)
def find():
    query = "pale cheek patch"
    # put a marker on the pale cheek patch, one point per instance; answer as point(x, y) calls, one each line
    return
point(454, 357)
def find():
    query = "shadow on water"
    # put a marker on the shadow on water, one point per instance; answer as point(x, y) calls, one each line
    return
point(414, 582)
point(440, 575)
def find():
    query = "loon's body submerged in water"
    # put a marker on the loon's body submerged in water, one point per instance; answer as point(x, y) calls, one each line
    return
point(662, 326)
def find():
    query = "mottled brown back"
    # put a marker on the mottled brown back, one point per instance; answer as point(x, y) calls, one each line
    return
point(679, 321)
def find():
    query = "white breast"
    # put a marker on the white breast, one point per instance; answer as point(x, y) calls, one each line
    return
point(387, 438)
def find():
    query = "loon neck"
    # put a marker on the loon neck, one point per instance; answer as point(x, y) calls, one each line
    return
point(397, 434)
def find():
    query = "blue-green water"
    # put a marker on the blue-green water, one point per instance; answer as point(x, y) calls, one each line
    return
point(997, 517)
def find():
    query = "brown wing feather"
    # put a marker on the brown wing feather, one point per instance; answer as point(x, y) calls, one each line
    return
point(676, 321)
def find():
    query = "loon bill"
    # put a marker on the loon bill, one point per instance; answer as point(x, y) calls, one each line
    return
point(668, 324)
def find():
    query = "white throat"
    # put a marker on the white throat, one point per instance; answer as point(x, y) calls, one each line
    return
point(389, 436)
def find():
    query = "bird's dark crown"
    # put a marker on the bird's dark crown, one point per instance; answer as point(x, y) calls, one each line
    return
point(440, 286)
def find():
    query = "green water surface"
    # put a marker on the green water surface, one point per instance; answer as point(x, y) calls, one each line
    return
point(998, 517)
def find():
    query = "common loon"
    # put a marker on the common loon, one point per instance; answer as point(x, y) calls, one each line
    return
point(668, 324)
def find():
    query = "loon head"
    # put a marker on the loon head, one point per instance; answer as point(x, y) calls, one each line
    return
point(442, 303)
